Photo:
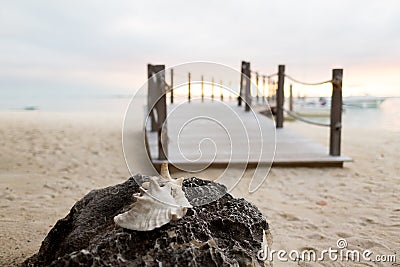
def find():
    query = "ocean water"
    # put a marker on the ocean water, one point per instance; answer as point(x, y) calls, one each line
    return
point(386, 117)
point(77, 102)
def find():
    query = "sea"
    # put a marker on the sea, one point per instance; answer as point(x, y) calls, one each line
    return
point(385, 117)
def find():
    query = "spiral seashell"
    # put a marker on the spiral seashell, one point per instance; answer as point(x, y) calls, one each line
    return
point(155, 207)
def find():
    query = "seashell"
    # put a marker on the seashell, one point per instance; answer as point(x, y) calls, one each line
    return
point(146, 185)
point(156, 206)
point(176, 186)
point(164, 177)
point(178, 194)
point(164, 172)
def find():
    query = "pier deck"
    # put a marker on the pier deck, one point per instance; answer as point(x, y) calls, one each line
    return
point(217, 134)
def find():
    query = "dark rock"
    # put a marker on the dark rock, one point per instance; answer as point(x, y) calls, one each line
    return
point(225, 232)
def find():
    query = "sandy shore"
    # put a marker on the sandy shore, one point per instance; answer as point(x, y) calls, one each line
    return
point(50, 160)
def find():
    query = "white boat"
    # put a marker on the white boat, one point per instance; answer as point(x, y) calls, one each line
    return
point(363, 101)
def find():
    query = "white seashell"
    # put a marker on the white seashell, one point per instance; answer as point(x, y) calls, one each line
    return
point(175, 184)
point(146, 185)
point(178, 194)
point(155, 207)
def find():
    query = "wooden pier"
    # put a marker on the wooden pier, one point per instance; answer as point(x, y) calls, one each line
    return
point(201, 133)
point(184, 151)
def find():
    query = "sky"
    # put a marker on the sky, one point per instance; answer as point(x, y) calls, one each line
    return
point(96, 45)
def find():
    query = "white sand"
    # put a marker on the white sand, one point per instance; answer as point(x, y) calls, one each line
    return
point(50, 160)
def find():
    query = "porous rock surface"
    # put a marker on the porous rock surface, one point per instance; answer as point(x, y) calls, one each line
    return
point(225, 232)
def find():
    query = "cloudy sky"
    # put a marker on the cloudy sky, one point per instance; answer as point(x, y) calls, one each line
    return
point(105, 45)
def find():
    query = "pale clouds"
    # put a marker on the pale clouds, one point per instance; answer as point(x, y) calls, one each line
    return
point(106, 44)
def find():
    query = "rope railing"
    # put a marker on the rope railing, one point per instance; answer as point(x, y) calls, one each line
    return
point(244, 93)
point(264, 75)
point(297, 117)
point(306, 83)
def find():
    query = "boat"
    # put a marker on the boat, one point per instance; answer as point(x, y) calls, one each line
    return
point(363, 101)
point(31, 108)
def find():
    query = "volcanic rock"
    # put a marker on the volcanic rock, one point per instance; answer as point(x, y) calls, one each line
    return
point(224, 232)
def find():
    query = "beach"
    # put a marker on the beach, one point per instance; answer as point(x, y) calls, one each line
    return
point(50, 160)
point(91, 94)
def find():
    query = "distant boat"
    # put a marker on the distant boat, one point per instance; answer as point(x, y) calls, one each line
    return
point(31, 108)
point(363, 101)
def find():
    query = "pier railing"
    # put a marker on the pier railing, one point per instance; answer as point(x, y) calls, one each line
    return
point(335, 123)
point(272, 92)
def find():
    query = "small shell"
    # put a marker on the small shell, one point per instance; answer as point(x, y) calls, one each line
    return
point(155, 207)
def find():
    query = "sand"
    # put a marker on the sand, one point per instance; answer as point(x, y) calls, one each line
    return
point(48, 161)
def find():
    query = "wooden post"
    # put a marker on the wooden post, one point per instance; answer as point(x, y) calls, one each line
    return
point(202, 88)
point(157, 104)
point(212, 89)
point(291, 98)
point(257, 97)
point(274, 90)
point(241, 85)
point(263, 90)
point(156, 99)
point(247, 84)
point(172, 86)
point(222, 90)
point(280, 96)
point(336, 113)
point(189, 78)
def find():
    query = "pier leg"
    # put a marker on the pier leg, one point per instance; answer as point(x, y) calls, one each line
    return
point(291, 98)
point(241, 85)
point(257, 95)
point(336, 113)
point(189, 81)
point(263, 90)
point(280, 97)
point(157, 103)
point(155, 90)
point(202, 88)
point(172, 86)
point(212, 89)
point(222, 91)
point(246, 84)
